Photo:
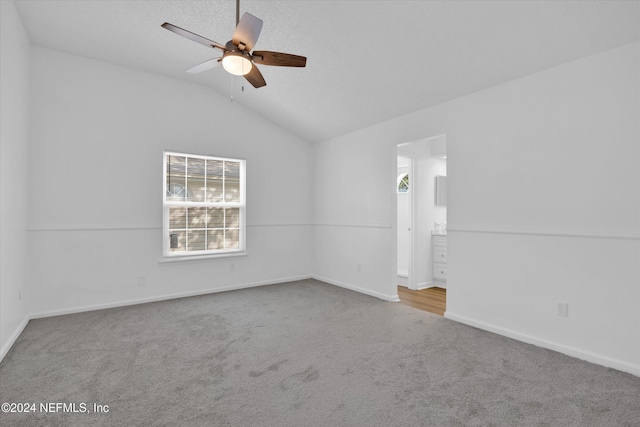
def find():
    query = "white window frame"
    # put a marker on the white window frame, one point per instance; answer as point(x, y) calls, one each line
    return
point(166, 204)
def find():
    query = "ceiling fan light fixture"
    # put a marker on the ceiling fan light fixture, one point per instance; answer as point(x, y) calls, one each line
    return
point(237, 58)
point(236, 63)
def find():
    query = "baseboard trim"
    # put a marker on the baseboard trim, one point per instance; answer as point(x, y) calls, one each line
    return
point(165, 297)
point(12, 339)
point(425, 285)
point(392, 298)
point(588, 356)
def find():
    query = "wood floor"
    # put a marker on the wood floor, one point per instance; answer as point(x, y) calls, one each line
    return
point(433, 300)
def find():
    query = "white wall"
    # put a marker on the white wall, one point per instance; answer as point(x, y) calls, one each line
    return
point(543, 206)
point(355, 190)
point(366, 207)
point(98, 134)
point(15, 69)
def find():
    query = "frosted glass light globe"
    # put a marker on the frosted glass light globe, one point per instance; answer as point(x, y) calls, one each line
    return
point(236, 63)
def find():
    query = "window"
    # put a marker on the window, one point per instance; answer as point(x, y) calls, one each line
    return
point(403, 183)
point(204, 205)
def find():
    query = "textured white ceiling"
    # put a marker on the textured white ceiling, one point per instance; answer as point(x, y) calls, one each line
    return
point(368, 61)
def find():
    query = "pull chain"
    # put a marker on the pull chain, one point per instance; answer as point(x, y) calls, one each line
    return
point(231, 89)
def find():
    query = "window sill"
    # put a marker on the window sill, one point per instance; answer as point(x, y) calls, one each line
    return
point(181, 258)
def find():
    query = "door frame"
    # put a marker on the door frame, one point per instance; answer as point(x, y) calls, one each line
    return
point(411, 279)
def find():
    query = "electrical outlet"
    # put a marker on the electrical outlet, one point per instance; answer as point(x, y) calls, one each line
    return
point(142, 281)
point(562, 309)
point(358, 268)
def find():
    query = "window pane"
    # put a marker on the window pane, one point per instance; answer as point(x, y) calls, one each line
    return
point(403, 185)
point(233, 218)
point(176, 190)
point(214, 180)
point(231, 240)
point(177, 241)
point(196, 240)
point(202, 204)
point(232, 182)
point(215, 239)
point(197, 217)
point(215, 219)
point(195, 179)
point(177, 218)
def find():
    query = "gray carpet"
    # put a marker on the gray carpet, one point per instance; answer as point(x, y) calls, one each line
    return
point(300, 354)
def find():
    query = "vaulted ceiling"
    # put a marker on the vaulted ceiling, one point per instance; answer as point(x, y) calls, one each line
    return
point(368, 61)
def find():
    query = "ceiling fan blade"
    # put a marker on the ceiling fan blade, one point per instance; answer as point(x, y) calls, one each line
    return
point(247, 31)
point(255, 77)
point(192, 36)
point(278, 59)
point(204, 66)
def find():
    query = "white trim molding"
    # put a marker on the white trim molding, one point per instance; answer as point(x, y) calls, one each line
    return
point(94, 227)
point(134, 227)
point(540, 342)
point(426, 285)
point(385, 226)
point(116, 227)
point(166, 297)
point(185, 258)
point(12, 339)
point(301, 224)
point(546, 231)
point(392, 298)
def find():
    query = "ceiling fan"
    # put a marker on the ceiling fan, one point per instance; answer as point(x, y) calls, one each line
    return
point(237, 57)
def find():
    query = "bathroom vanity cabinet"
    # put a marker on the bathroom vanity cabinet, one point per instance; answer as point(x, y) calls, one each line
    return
point(439, 250)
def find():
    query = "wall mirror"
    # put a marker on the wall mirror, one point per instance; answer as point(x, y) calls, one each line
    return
point(441, 191)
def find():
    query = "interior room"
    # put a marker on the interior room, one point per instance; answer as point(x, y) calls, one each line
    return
point(217, 248)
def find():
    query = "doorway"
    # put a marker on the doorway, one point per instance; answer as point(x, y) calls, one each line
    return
point(404, 182)
point(433, 300)
point(421, 221)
